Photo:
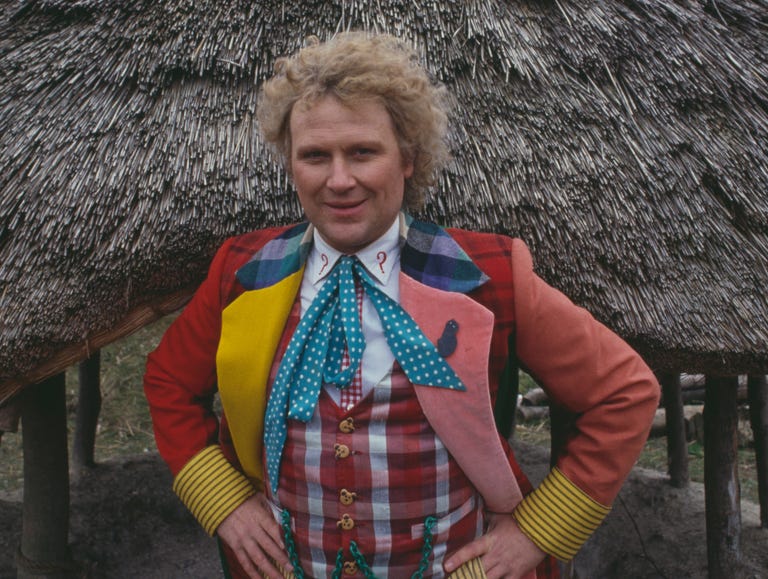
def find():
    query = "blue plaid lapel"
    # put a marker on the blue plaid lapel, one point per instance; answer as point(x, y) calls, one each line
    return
point(432, 257)
point(429, 255)
point(279, 258)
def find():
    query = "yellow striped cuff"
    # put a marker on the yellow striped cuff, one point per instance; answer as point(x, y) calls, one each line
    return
point(472, 569)
point(558, 516)
point(211, 488)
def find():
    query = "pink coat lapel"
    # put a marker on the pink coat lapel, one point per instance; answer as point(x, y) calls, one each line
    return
point(464, 420)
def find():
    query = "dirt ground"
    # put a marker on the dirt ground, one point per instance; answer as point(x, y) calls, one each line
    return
point(126, 523)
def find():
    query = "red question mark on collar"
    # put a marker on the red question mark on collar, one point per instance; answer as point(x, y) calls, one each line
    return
point(382, 257)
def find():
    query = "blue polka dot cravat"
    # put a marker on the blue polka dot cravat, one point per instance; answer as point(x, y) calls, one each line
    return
point(315, 352)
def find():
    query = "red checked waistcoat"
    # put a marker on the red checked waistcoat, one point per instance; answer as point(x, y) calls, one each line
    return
point(228, 334)
point(372, 474)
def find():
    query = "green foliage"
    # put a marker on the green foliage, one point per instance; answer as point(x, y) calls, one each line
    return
point(526, 383)
point(654, 457)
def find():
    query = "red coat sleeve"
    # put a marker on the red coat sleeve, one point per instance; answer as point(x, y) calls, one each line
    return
point(589, 370)
point(584, 367)
point(180, 378)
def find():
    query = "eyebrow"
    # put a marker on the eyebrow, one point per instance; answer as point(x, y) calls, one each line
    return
point(364, 144)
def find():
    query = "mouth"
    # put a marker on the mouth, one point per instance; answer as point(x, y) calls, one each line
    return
point(345, 207)
point(345, 204)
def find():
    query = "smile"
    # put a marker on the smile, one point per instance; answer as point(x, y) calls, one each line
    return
point(345, 206)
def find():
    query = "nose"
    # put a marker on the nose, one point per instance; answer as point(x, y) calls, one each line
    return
point(340, 177)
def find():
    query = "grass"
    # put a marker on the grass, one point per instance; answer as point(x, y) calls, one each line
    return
point(125, 427)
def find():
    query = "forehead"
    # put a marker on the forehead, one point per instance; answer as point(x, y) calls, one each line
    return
point(330, 118)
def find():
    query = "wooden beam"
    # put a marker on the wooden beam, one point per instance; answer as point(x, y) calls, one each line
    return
point(71, 354)
point(694, 395)
point(44, 550)
point(677, 444)
point(758, 417)
point(88, 408)
point(721, 480)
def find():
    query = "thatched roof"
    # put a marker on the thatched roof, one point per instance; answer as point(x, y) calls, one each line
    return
point(626, 141)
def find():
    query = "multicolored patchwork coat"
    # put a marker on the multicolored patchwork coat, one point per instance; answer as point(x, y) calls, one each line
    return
point(226, 338)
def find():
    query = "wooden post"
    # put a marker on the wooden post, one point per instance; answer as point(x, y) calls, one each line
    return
point(88, 408)
point(677, 444)
point(721, 477)
point(44, 550)
point(758, 417)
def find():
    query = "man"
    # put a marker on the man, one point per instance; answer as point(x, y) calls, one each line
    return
point(358, 355)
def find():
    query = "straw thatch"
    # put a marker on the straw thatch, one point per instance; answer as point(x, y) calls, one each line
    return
point(626, 141)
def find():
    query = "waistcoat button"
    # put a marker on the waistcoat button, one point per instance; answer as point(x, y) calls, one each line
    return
point(345, 523)
point(341, 450)
point(350, 567)
point(347, 425)
point(347, 497)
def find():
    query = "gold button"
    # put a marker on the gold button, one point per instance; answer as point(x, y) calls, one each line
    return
point(347, 497)
point(341, 450)
point(347, 425)
point(350, 567)
point(345, 523)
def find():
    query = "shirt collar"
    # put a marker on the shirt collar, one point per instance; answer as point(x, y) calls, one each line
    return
point(379, 258)
point(427, 253)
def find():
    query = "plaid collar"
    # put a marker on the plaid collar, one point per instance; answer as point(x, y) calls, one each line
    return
point(428, 254)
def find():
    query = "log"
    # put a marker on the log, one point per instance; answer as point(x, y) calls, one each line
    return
point(527, 413)
point(692, 419)
point(691, 395)
point(44, 550)
point(689, 381)
point(758, 417)
point(535, 397)
point(721, 482)
point(88, 408)
point(677, 442)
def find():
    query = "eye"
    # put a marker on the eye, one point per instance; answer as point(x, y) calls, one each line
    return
point(312, 155)
point(364, 152)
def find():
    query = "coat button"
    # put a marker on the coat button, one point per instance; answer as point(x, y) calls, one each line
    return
point(347, 497)
point(345, 523)
point(347, 425)
point(341, 450)
point(350, 567)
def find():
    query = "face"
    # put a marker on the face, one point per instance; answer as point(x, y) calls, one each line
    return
point(348, 170)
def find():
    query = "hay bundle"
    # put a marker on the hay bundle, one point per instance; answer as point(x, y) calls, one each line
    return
point(625, 141)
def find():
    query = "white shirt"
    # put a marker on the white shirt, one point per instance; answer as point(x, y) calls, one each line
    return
point(382, 261)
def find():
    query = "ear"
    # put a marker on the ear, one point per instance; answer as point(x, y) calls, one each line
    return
point(408, 165)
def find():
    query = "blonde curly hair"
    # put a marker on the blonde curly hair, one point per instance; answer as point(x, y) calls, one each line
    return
point(353, 67)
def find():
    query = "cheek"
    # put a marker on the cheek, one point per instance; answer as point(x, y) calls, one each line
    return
point(303, 180)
